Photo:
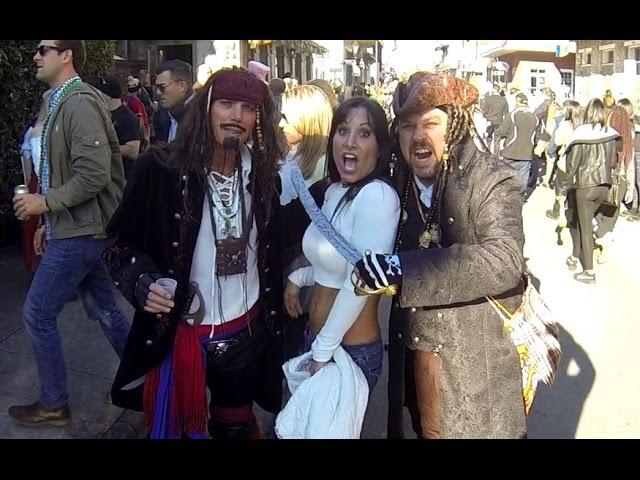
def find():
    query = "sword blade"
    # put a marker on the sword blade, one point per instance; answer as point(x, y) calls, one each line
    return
point(321, 222)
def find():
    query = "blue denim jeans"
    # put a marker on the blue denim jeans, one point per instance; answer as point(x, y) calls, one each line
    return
point(368, 356)
point(67, 266)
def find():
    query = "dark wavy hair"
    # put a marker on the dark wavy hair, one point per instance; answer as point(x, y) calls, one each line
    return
point(193, 148)
point(378, 119)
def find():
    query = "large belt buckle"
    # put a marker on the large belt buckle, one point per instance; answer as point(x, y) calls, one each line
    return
point(220, 347)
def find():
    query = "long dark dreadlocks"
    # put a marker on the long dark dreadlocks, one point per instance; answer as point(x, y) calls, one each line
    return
point(459, 125)
point(192, 151)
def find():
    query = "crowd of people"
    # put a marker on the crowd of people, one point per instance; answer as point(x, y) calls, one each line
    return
point(588, 154)
point(190, 207)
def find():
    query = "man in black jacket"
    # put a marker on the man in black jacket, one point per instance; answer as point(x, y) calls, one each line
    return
point(495, 108)
point(174, 81)
point(205, 213)
point(521, 129)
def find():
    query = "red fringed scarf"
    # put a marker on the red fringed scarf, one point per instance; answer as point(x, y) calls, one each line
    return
point(188, 396)
point(188, 400)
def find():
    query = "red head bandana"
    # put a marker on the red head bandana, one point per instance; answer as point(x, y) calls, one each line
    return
point(237, 85)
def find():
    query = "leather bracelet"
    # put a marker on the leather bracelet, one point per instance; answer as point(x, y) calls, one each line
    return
point(141, 288)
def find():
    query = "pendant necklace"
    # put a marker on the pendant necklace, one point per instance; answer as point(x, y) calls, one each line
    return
point(431, 232)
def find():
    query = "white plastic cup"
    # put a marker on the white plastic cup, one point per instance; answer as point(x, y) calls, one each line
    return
point(169, 284)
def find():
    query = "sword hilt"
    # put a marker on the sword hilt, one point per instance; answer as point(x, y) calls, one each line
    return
point(362, 291)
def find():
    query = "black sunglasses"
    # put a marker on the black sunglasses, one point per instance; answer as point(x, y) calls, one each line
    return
point(44, 49)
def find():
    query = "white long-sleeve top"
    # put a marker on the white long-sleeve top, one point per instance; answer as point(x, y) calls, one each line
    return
point(288, 192)
point(370, 222)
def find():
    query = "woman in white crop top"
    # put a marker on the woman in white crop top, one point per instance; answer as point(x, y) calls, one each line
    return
point(365, 209)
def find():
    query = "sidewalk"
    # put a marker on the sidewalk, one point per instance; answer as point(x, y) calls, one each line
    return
point(91, 365)
point(595, 395)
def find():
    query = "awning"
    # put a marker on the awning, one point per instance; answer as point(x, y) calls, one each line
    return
point(303, 46)
point(253, 44)
point(504, 47)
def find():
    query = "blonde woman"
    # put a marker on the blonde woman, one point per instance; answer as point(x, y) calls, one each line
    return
point(306, 120)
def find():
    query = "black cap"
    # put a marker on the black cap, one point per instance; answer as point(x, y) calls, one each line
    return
point(109, 85)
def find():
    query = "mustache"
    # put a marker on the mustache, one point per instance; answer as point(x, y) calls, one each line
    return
point(234, 125)
point(416, 145)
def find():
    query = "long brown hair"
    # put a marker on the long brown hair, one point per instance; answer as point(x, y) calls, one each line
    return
point(193, 148)
point(619, 120)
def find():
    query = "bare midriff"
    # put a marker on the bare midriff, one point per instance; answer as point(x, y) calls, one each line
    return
point(364, 330)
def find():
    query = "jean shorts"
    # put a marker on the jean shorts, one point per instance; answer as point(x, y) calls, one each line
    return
point(368, 356)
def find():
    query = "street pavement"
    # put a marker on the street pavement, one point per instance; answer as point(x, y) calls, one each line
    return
point(595, 395)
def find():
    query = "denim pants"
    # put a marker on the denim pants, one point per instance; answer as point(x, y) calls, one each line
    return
point(368, 356)
point(523, 167)
point(69, 265)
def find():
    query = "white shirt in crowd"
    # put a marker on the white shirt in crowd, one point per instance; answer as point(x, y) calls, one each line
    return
point(233, 289)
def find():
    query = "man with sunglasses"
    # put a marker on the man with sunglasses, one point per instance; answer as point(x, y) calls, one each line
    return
point(174, 81)
point(81, 183)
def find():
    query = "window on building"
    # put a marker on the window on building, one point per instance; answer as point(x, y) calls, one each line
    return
point(634, 54)
point(607, 62)
point(281, 69)
point(122, 49)
point(264, 54)
point(498, 76)
point(298, 69)
point(309, 67)
point(566, 82)
point(537, 80)
point(585, 64)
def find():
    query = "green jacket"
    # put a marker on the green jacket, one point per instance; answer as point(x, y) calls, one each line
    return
point(87, 177)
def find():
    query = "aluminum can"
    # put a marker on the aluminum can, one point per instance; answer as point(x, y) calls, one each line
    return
point(20, 189)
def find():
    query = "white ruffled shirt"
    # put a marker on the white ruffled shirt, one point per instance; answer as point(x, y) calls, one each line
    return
point(233, 289)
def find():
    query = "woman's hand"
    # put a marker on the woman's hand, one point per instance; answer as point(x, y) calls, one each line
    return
point(39, 242)
point(292, 299)
point(315, 367)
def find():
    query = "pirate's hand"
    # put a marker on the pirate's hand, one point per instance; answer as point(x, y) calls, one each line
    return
point(379, 270)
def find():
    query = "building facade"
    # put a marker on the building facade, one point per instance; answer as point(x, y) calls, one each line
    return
point(608, 65)
point(207, 56)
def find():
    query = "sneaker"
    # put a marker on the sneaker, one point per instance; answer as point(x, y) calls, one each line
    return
point(572, 263)
point(559, 235)
point(37, 415)
point(585, 277)
point(552, 215)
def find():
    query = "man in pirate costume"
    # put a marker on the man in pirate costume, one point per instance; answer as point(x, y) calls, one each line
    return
point(460, 239)
point(205, 212)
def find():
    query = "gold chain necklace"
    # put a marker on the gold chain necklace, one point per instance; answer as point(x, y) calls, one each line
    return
point(429, 234)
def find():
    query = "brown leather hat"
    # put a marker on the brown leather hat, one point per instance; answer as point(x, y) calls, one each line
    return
point(426, 90)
